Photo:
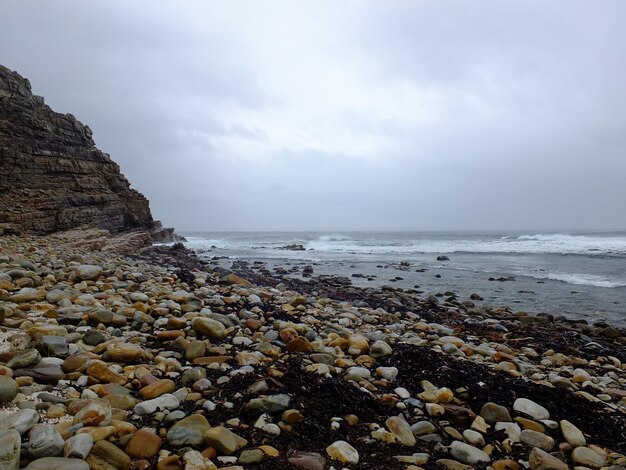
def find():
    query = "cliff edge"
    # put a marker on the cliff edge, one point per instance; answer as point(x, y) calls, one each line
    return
point(52, 176)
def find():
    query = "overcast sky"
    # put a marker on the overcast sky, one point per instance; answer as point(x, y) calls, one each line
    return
point(344, 115)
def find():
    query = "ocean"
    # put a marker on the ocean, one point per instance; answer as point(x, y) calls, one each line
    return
point(579, 275)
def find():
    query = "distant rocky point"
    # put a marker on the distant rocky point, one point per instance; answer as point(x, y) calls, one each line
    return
point(53, 178)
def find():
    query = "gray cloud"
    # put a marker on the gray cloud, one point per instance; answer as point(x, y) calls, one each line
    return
point(351, 115)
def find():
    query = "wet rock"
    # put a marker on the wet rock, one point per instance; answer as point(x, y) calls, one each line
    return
point(27, 294)
point(144, 444)
point(586, 456)
point(536, 439)
point(158, 388)
point(10, 446)
point(164, 402)
point(8, 389)
point(223, 440)
point(24, 359)
point(267, 404)
point(54, 346)
point(308, 460)
point(541, 460)
point(401, 430)
point(188, 431)
point(380, 349)
point(44, 373)
point(88, 272)
point(530, 408)
point(105, 453)
point(572, 434)
point(209, 327)
point(343, 452)
point(493, 413)
point(95, 413)
point(249, 457)
point(57, 463)
point(467, 453)
point(22, 421)
point(45, 441)
point(100, 371)
point(94, 338)
point(78, 446)
point(194, 460)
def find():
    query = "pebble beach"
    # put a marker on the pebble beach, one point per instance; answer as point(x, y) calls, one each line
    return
point(162, 360)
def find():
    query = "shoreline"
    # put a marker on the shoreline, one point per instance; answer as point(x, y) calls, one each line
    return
point(238, 347)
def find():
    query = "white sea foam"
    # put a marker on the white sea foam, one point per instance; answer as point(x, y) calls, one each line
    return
point(584, 280)
point(530, 244)
point(377, 244)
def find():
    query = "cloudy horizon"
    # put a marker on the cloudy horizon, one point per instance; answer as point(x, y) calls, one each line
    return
point(362, 115)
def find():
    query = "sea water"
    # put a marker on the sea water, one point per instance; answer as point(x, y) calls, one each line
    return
point(581, 275)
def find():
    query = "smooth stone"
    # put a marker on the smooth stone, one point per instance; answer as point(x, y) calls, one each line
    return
point(467, 453)
point(505, 464)
point(27, 294)
point(530, 408)
point(188, 431)
point(95, 413)
point(536, 439)
point(123, 352)
point(55, 296)
point(57, 463)
point(473, 437)
point(512, 430)
point(344, 452)
point(586, 456)
point(158, 388)
point(101, 371)
point(541, 460)
point(94, 338)
point(88, 272)
point(45, 441)
point(78, 446)
point(25, 358)
point(267, 404)
point(161, 403)
point(572, 434)
point(110, 454)
point(493, 413)
point(42, 373)
point(194, 460)
point(171, 462)
point(308, 460)
point(224, 440)
point(387, 373)
point(52, 345)
point(299, 345)
point(22, 421)
point(401, 430)
point(379, 349)
point(10, 446)
point(421, 428)
point(358, 373)
point(209, 327)
point(450, 464)
point(8, 389)
point(190, 376)
point(144, 444)
point(123, 402)
point(251, 456)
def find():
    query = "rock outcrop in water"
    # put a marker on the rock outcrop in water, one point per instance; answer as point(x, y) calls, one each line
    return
point(52, 176)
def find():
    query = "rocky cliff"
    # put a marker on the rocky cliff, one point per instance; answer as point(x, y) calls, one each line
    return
point(52, 176)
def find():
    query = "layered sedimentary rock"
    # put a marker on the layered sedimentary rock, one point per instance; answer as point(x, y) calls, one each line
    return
point(52, 176)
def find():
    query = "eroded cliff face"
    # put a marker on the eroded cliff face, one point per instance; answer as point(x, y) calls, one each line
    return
point(52, 176)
